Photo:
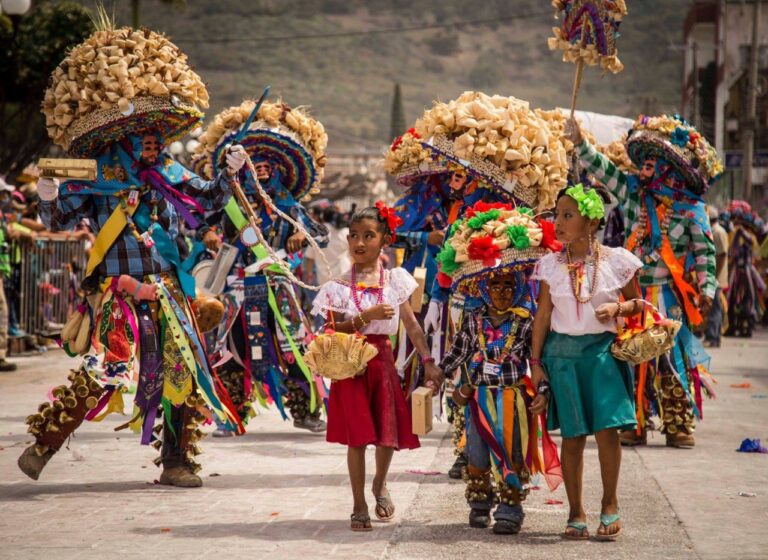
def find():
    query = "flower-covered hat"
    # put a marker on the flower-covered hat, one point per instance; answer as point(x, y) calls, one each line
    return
point(288, 137)
point(407, 159)
point(673, 139)
point(741, 210)
point(121, 82)
point(492, 239)
point(502, 142)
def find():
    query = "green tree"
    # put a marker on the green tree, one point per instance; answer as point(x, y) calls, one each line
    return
point(30, 48)
point(397, 118)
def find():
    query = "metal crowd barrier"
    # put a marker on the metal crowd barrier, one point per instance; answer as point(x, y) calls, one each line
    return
point(49, 275)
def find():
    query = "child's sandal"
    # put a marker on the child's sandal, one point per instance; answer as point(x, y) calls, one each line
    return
point(385, 509)
point(579, 531)
point(606, 520)
point(360, 522)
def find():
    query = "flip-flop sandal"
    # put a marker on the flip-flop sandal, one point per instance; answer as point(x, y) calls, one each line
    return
point(605, 521)
point(383, 504)
point(581, 535)
point(360, 522)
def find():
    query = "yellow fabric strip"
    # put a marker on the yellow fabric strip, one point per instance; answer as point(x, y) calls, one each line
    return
point(115, 404)
point(107, 235)
point(522, 418)
point(176, 394)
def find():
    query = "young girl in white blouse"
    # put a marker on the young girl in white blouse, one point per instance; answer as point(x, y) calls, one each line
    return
point(575, 324)
point(371, 408)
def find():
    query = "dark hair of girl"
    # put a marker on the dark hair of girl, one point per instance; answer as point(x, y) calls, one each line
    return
point(601, 191)
point(372, 213)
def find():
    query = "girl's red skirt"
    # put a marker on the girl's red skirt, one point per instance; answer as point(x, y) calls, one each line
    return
point(371, 408)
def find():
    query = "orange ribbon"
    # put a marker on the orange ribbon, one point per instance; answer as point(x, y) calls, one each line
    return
point(688, 293)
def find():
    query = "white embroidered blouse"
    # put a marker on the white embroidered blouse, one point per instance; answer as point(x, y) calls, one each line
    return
point(617, 267)
point(336, 295)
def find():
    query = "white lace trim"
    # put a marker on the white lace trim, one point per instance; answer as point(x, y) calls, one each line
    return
point(617, 268)
point(336, 295)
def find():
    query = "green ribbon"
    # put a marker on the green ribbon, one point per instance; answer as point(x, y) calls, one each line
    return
point(239, 220)
point(590, 204)
point(294, 348)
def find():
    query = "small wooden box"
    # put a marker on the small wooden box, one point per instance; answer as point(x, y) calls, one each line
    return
point(421, 411)
point(84, 169)
point(417, 297)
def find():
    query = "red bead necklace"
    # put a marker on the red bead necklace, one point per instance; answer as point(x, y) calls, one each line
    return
point(356, 292)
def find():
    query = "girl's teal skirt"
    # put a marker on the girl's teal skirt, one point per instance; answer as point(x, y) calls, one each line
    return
point(591, 390)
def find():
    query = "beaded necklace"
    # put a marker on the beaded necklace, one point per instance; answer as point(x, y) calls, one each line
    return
point(643, 230)
point(576, 270)
point(507, 329)
point(355, 291)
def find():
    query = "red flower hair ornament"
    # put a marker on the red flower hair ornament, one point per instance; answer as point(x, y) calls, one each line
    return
point(389, 215)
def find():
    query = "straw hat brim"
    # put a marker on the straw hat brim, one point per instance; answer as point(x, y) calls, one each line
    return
point(96, 131)
point(466, 278)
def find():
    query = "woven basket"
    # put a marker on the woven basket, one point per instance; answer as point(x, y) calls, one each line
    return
point(338, 356)
point(657, 337)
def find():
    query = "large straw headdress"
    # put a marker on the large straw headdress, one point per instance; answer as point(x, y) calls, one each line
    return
point(120, 82)
point(673, 139)
point(288, 137)
point(502, 142)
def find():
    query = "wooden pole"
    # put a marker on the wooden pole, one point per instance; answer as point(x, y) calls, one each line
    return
point(576, 85)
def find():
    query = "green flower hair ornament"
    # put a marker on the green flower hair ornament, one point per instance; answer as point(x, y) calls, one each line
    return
point(590, 204)
point(518, 237)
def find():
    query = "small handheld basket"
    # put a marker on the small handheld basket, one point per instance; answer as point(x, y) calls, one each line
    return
point(654, 336)
point(338, 355)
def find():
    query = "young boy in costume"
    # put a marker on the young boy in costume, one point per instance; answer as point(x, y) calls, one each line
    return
point(492, 254)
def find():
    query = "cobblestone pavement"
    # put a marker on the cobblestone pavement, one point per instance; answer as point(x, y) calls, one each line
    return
point(278, 492)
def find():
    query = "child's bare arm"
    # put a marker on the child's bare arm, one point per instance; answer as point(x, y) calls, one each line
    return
point(419, 341)
point(357, 323)
point(541, 324)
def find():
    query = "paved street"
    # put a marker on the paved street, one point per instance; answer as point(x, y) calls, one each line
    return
point(282, 493)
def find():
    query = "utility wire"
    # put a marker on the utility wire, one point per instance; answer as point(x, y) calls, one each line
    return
point(340, 34)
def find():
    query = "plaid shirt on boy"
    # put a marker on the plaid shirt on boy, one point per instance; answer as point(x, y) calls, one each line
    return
point(685, 235)
point(465, 347)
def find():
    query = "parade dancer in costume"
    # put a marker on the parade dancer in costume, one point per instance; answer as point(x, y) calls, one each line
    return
point(574, 327)
point(668, 229)
point(138, 314)
point(287, 148)
point(508, 153)
point(370, 409)
point(745, 287)
point(495, 251)
point(435, 198)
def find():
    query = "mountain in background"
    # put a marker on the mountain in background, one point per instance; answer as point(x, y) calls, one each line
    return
point(322, 53)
